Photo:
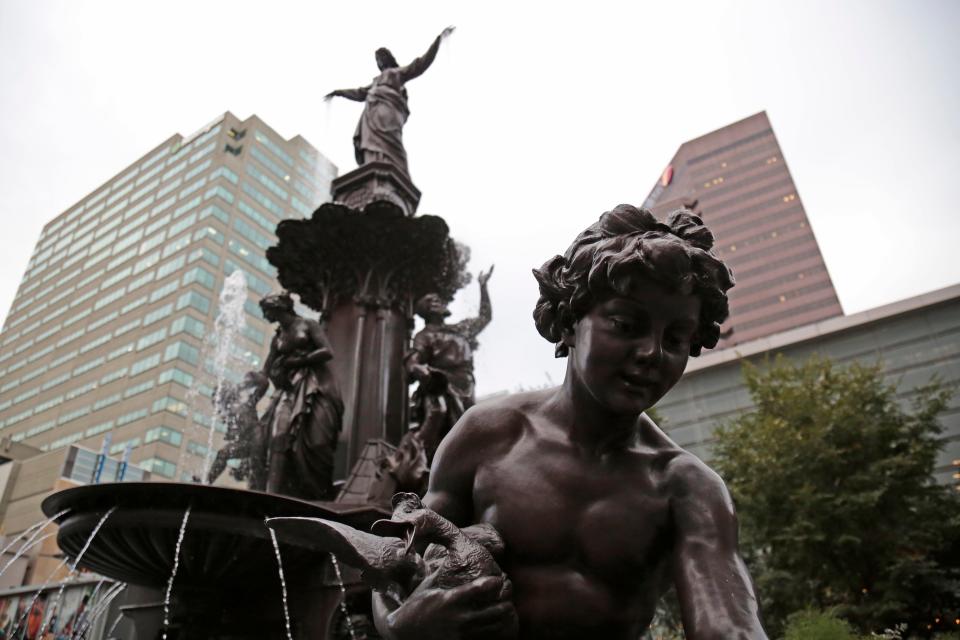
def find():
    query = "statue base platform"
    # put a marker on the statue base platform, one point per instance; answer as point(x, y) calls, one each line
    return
point(376, 182)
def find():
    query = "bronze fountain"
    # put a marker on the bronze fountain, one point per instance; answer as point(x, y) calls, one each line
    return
point(561, 513)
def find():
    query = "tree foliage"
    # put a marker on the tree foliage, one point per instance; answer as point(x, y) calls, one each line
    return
point(837, 505)
point(815, 625)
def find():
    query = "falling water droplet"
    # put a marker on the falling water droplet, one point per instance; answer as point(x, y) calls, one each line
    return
point(283, 582)
point(343, 598)
point(173, 574)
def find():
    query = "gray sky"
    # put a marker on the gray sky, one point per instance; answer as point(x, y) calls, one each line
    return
point(535, 118)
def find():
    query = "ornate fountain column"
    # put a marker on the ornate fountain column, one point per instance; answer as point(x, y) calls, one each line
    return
point(362, 261)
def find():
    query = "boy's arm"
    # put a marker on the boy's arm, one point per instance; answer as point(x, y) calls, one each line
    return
point(454, 468)
point(472, 610)
point(714, 587)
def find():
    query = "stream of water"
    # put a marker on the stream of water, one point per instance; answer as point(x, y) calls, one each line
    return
point(33, 600)
point(343, 598)
point(101, 607)
point(218, 359)
point(73, 571)
point(173, 574)
point(34, 531)
point(227, 327)
point(283, 582)
point(82, 617)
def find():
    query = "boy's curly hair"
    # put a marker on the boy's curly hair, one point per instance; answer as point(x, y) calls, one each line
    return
point(628, 241)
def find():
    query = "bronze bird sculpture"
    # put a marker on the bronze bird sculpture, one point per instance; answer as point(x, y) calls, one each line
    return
point(452, 556)
point(388, 558)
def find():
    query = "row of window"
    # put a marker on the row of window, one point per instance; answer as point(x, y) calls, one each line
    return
point(59, 229)
point(149, 260)
point(189, 299)
point(167, 403)
point(132, 270)
point(107, 236)
point(79, 236)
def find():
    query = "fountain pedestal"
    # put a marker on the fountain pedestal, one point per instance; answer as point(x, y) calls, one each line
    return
point(376, 182)
point(364, 269)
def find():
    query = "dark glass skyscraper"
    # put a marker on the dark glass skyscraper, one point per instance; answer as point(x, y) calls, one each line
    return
point(737, 180)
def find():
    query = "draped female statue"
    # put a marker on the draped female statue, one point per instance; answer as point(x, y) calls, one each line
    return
point(305, 414)
point(379, 134)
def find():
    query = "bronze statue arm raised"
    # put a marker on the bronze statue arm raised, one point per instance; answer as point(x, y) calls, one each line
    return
point(471, 327)
point(421, 64)
point(714, 587)
point(357, 95)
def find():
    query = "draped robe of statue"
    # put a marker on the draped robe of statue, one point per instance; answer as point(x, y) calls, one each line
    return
point(303, 418)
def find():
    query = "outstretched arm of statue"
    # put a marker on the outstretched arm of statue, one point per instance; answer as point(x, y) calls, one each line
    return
point(357, 95)
point(714, 587)
point(421, 64)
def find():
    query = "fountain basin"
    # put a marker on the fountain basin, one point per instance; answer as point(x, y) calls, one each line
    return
point(226, 542)
point(227, 584)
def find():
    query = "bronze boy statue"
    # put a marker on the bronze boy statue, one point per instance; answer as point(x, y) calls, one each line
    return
point(246, 439)
point(600, 512)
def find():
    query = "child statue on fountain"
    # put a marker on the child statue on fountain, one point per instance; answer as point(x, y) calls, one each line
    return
point(600, 512)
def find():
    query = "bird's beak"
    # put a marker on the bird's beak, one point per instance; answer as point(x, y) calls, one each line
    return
point(409, 537)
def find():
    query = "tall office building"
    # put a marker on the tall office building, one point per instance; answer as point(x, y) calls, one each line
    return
point(737, 180)
point(106, 333)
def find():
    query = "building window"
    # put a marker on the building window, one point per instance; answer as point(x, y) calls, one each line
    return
point(159, 466)
point(182, 351)
point(127, 418)
point(193, 299)
point(151, 339)
point(171, 404)
point(163, 434)
point(145, 364)
point(200, 275)
point(176, 375)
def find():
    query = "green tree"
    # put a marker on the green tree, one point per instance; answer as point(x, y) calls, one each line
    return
point(815, 625)
point(837, 505)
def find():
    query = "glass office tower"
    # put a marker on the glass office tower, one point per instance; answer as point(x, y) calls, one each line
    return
point(106, 335)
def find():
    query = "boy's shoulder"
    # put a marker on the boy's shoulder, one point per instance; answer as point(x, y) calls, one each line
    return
point(690, 479)
point(510, 409)
point(501, 419)
point(683, 472)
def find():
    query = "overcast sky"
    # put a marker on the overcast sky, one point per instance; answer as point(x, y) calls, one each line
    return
point(535, 118)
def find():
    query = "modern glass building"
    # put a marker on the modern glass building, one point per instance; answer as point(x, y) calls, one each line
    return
point(106, 335)
point(737, 179)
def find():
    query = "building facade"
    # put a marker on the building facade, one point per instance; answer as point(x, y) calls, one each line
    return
point(106, 335)
point(915, 340)
point(737, 180)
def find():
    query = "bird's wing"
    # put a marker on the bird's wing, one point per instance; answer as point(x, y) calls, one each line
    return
point(371, 554)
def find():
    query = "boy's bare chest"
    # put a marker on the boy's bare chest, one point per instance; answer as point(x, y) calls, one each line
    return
point(554, 506)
